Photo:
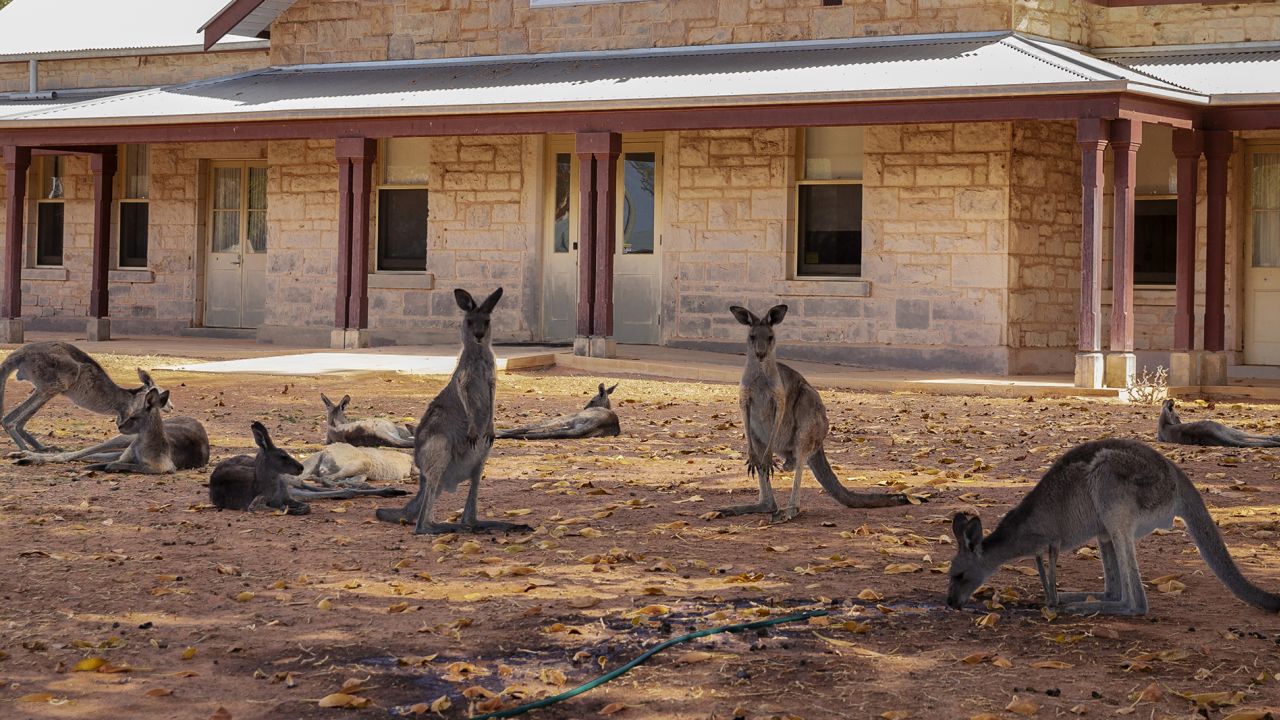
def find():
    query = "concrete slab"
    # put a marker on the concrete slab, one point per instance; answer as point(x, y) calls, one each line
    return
point(333, 362)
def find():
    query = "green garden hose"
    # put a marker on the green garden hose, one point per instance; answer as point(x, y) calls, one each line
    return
point(645, 656)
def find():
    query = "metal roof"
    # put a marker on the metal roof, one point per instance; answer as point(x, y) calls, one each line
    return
point(9, 105)
point(53, 28)
point(257, 20)
point(1239, 73)
point(975, 64)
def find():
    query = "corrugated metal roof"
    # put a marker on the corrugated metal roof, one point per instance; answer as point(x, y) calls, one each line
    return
point(258, 19)
point(918, 67)
point(49, 27)
point(1242, 73)
point(9, 106)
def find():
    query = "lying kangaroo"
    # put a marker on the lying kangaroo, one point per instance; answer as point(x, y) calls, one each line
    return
point(783, 414)
point(370, 432)
point(1171, 429)
point(347, 465)
point(248, 482)
point(151, 446)
point(1115, 490)
point(597, 419)
point(59, 368)
point(456, 431)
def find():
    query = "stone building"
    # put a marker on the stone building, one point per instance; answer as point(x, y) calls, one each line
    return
point(969, 185)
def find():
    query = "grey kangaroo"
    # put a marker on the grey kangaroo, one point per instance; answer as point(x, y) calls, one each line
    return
point(456, 431)
point(59, 368)
point(782, 414)
point(1171, 429)
point(247, 482)
point(1115, 490)
point(370, 432)
point(155, 446)
point(340, 464)
point(597, 419)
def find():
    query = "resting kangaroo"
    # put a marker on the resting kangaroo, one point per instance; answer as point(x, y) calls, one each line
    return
point(456, 431)
point(59, 368)
point(597, 419)
point(782, 414)
point(151, 445)
point(248, 482)
point(1115, 490)
point(1171, 429)
point(370, 432)
point(347, 465)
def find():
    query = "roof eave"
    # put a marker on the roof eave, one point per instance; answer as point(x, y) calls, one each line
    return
point(232, 45)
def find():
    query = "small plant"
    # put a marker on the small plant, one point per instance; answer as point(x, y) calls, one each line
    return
point(1149, 387)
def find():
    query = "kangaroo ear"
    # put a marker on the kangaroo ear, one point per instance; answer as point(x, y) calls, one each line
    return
point(973, 532)
point(145, 377)
point(610, 390)
point(156, 399)
point(261, 436)
point(957, 527)
point(491, 302)
point(346, 400)
point(967, 529)
point(601, 390)
point(464, 300)
point(776, 313)
point(327, 402)
point(744, 316)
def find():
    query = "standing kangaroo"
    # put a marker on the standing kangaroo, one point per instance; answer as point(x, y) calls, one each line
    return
point(370, 432)
point(782, 414)
point(248, 482)
point(1171, 429)
point(59, 368)
point(597, 419)
point(1115, 490)
point(455, 434)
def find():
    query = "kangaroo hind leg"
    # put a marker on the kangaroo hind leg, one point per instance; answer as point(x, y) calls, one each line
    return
point(15, 423)
point(1130, 598)
point(469, 519)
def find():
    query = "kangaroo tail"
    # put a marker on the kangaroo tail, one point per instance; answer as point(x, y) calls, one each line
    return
point(1214, 553)
point(827, 478)
point(534, 432)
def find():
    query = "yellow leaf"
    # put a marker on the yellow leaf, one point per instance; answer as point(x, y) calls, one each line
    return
point(440, 704)
point(895, 715)
point(1250, 714)
point(694, 656)
point(398, 607)
point(988, 620)
point(324, 604)
point(975, 658)
point(36, 698)
point(159, 692)
point(419, 709)
point(89, 664)
point(552, 676)
point(245, 596)
point(899, 568)
point(582, 602)
point(1051, 665)
point(343, 700)
point(189, 653)
point(1026, 708)
point(1001, 662)
point(985, 716)
point(1151, 693)
point(612, 708)
point(870, 595)
point(1171, 586)
point(517, 513)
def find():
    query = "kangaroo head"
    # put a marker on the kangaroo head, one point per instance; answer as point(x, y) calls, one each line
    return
point(132, 420)
point(147, 384)
point(601, 398)
point(760, 340)
point(475, 326)
point(1168, 414)
point(337, 413)
point(968, 569)
point(270, 458)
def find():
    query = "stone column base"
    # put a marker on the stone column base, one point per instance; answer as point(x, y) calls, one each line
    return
point(98, 329)
point(1213, 368)
point(11, 330)
point(1184, 368)
point(582, 346)
point(603, 347)
point(348, 338)
point(1089, 369)
point(1120, 369)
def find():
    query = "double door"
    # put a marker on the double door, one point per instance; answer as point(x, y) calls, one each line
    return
point(1262, 259)
point(236, 264)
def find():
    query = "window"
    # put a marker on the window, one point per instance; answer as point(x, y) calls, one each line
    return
point(639, 178)
point(49, 212)
point(1155, 241)
point(402, 205)
point(134, 207)
point(561, 228)
point(829, 202)
point(1266, 210)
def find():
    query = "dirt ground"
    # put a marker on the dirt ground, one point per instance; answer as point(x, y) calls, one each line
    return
point(130, 597)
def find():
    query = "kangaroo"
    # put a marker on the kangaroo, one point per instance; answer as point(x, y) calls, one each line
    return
point(154, 447)
point(1115, 490)
point(59, 368)
point(456, 432)
point(247, 482)
point(597, 419)
point(347, 465)
point(1171, 429)
point(370, 432)
point(783, 414)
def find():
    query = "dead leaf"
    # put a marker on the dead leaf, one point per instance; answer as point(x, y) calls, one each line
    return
point(1025, 708)
point(343, 700)
point(612, 708)
point(1051, 665)
point(89, 664)
point(895, 715)
point(36, 698)
point(440, 704)
point(158, 692)
point(694, 656)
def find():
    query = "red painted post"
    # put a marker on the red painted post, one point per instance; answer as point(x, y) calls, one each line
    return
point(103, 166)
point(1126, 138)
point(342, 301)
point(16, 162)
point(586, 242)
point(606, 236)
point(1091, 134)
point(363, 150)
point(598, 182)
point(1187, 147)
point(1217, 151)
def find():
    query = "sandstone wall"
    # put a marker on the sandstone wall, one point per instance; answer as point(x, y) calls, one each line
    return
point(1069, 20)
point(132, 70)
point(1183, 24)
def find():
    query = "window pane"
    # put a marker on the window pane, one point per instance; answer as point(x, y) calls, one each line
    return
point(830, 229)
point(1155, 242)
point(51, 178)
point(257, 231)
point(49, 234)
point(1157, 167)
point(560, 213)
point(257, 188)
point(136, 165)
point(226, 188)
point(133, 234)
point(639, 175)
point(226, 231)
point(405, 161)
point(833, 153)
point(402, 229)
point(1266, 181)
point(1266, 210)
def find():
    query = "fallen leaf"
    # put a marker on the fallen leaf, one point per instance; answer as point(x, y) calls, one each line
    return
point(612, 708)
point(89, 664)
point(245, 596)
point(694, 656)
point(895, 715)
point(36, 698)
point(1051, 665)
point(440, 704)
point(158, 692)
point(1026, 708)
point(343, 700)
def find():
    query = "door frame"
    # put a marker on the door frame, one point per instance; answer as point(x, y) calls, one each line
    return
point(557, 145)
point(206, 226)
point(1262, 145)
point(653, 142)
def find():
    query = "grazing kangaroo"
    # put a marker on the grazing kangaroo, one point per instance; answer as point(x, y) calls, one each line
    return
point(1171, 429)
point(782, 414)
point(456, 431)
point(347, 465)
point(370, 432)
point(59, 368)
point(248, 482)
point(1115, 490)
point(597, 419)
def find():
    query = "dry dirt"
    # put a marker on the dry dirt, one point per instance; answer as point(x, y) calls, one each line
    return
point(263, 615)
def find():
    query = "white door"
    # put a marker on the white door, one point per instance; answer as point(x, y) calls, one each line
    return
point(1262, 261)
point(637, 305)
point(235, 274)
point(560, 271)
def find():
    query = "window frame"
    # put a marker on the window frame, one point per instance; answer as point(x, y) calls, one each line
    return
point(36, 256)
point(795, 271)
point(118, 259)
point(375, 216)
